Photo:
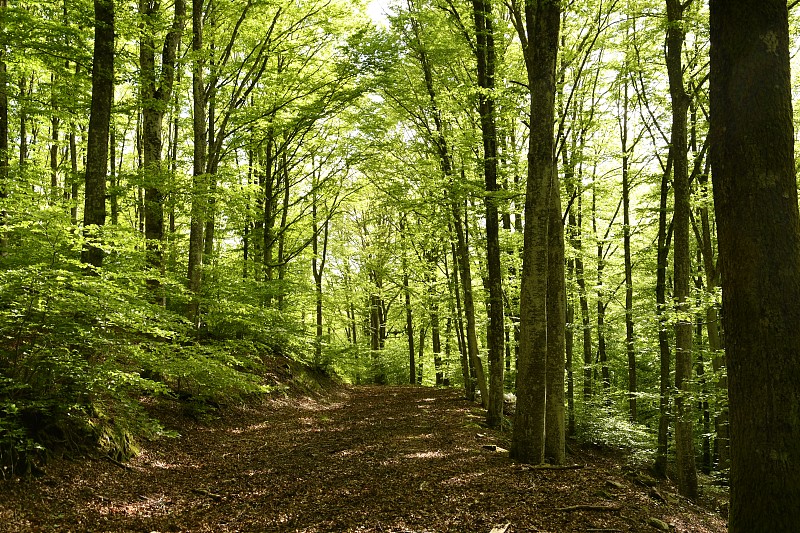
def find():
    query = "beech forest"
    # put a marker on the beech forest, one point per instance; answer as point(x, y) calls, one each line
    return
point(399, 265)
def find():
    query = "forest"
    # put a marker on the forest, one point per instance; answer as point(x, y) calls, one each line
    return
point(579, 215)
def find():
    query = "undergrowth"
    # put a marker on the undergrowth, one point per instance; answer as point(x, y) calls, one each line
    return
point(79, 352)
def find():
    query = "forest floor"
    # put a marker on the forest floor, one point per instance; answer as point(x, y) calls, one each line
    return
point(381, 459)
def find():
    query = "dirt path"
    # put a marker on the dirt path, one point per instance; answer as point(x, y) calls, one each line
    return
point(371, 459)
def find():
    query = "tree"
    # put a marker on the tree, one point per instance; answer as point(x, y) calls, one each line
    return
point(755, 201)
point(94, 214)
point(155, 93)
point(3, 132)
point(485, 53)
point(684, 436)
point(539, 37)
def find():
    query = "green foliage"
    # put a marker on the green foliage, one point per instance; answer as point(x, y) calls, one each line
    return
point(609, 427)
point(78, 353)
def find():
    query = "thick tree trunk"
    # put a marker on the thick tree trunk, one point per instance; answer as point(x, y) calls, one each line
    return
point(755, 197)
point(569, 348)
point(555, 444)
point(540, 45)
point(3, 135)
point(94, 214)
point(684, 426)
point(485, 52)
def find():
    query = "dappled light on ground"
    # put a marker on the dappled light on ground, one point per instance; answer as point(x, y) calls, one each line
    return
point(371, 459)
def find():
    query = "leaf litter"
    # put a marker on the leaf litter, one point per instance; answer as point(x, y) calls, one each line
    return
point(361, 459)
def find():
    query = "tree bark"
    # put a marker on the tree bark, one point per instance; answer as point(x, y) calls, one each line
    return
point(199, 186)
point(626, 238)
point(684, 426)
point(94, 213)
point(555, 443)
point(755, 197)
point(155, 94)
point(485, 53)
point(539, 37)
point(662, 257)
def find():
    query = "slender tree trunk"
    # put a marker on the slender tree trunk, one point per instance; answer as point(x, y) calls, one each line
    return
point(94, 213)
point(602, 356)
point(539, 37)
point(24, 96)
point(155, 93)
point(455, 291)
point(73, 178)
point(462, 252)
point(420, 366)
point(576, 222)
point(684, 426)
point(626, 236)
point(54, 135)
point(662, 257)
point(113, 178)
point(485, 53)
point(436, 344)
point(715, 347)
point(198, 167)
point(755, 198)
point(318, 266)
point(412, 364)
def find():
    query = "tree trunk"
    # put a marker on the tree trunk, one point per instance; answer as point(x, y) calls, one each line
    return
point(662, 257)
point(412, 365)
point(755, 198)
point(155, 94)
point(3, 134)
point(626, 237)
point(94, 214)
point(198, 167)
point(539, 38)
point(555, 443)
point(715, 347)
point(455, 290)
point(684, 426)
point(485, 53)
point(73, 177)
point(318, 266)
point(462, 252)
point(602, 356)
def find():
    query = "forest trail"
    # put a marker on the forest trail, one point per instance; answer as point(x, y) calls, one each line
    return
point(382, 459)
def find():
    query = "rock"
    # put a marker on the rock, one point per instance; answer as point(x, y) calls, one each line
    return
point(658, 524)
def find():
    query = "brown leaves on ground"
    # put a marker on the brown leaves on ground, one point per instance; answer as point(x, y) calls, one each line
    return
point(390, 459)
